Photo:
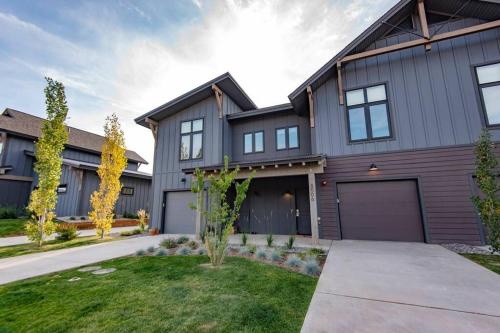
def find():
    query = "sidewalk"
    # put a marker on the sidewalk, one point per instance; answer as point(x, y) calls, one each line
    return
point(18, 240)
point(23, 267)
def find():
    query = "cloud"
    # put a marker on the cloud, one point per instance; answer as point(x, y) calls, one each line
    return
point(270, 47)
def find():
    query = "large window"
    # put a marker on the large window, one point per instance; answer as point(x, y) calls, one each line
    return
point(192, 139)
point(253, 142)
point(488, 78)
point(287, 138)
point(368, 114)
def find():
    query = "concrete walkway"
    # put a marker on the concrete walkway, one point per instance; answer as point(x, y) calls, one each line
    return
point(402, 287)
point(18, 240)
point(23, 267)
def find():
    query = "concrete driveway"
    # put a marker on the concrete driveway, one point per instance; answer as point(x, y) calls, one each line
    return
point(402, 287)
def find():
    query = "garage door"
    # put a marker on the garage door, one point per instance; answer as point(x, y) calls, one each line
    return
point(387, 210)
point(179, 218)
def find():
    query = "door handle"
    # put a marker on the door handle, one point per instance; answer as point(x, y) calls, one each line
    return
point(297, 213)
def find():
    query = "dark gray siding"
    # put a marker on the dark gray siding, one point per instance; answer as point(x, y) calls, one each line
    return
point(269, 124)
point(14, 193)
point(94, 158)
point(432, 96)
point(67, 203)
point(22, 165)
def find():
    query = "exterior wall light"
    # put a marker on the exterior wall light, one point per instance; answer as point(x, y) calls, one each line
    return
point(373, 167)
point(324, 182)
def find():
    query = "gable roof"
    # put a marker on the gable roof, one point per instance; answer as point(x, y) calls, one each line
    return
point(488, 10)
point(225, 82)
point(261, 112)
point(25, 124)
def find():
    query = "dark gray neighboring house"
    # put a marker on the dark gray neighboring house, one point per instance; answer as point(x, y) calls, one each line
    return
point(81, 157)
point(377, 144)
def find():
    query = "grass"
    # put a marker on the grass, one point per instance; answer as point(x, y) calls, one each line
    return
point(18, 250)
point(160, 294)
point(489, 261)
point(12, 227)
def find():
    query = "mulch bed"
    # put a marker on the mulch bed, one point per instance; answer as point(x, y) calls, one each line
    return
point(85, 225)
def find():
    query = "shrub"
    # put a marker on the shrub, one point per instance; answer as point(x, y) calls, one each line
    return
point(127, 215)
point(244, 239)
point(314, 252)
point(7, 212)
point(182, 240)
point(161, 252)
point(140, 252)
point(311, 267)
point(66, 232)
point(252, 248)
point(130, 232)
point(168, 243)
point(151, 249)
point(244, 251)
point(276, 255)
point(143, 216)
point(72, 218)
point(192, 245)
point(270, 240)
point(293, 261)
point(289, 244)
point(183, 251)
point(202, 251)
point(260, 254)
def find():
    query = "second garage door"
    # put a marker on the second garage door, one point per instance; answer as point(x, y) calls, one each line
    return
point(385, 210)
point(179, 218)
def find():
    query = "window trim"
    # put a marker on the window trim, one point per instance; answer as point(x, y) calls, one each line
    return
point(479, 91)
point(252, 133)
point(191, 134)
point(287, 137)
point(366, 107)
point(128, 188)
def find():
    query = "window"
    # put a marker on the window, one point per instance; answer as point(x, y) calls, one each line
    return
point(127, 191)
point(191, 139)
point(368, 114)
point(253, 142)
point(488, 78)
point(287, 138)
point(61, 189)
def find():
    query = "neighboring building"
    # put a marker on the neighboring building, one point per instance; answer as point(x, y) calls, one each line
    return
point(81, 157)
point(378, 144)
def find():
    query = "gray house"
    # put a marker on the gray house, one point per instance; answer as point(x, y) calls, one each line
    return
point(377, 144)
point(81, 157)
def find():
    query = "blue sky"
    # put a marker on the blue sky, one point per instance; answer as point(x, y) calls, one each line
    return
point(128, 56)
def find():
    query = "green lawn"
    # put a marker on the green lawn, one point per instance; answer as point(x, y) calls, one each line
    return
point(18, 250)
point(489, 261)
point(160, 294)
point(12, 227)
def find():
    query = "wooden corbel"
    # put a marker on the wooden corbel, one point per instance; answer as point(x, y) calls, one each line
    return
point(423, 23)
point(311, 107)
point(218, 97)
point(153, 126)
point(339, 83)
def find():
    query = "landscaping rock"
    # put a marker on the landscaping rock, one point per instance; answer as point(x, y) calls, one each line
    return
point(89, 268)
point(104, 271)
point(464, 248)
point(73, 279)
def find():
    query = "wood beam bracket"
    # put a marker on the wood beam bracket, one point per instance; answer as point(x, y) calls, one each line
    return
point(310, 96)
point(423, 24)
point(153, 126)
point(339, 83)
point(218, 97)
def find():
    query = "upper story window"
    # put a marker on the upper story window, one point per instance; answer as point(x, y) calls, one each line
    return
point(192, 139)
point(368, 114)
point(287, 138)
point(488, 78)
point(253, 142)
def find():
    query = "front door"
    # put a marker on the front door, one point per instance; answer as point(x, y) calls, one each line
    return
point(303, 213)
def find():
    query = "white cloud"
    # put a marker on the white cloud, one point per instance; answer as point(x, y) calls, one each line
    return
point(270, 47)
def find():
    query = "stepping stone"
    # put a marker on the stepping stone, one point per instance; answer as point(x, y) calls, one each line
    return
point(104, 271)
point(89, 268)
point(73, 279)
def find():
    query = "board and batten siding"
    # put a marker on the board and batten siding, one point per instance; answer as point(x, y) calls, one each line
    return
point(433, 97)
point(15, 156)
point(269, 124)
point(167, 169)
point(444, 176)
point(67, 203)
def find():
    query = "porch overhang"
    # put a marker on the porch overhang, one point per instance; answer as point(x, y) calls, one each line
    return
point(294, 166)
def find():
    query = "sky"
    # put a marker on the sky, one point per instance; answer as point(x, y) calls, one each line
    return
point(128, 57)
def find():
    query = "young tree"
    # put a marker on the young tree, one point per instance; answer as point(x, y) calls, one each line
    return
point(48, 165)
point(113, 162)
point(221, 215)
point(488, 204)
